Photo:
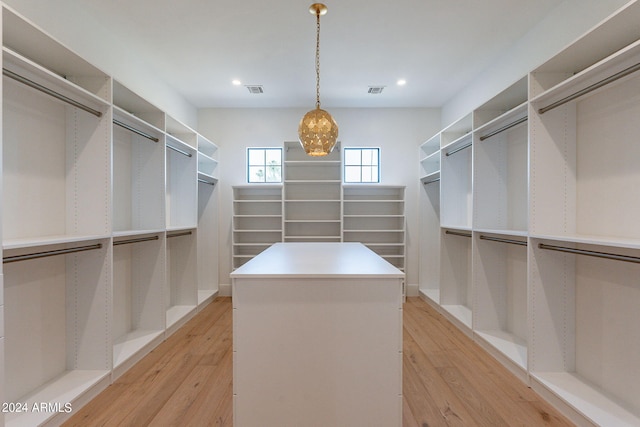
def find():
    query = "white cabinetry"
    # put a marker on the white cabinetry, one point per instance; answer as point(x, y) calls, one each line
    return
point(312, 195)
point(584, 192)
point(374, 216)
point(100, 225)
point(257, 220)
point(539, 242)
point(207, 239)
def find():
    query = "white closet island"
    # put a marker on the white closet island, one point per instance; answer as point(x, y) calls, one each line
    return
point(317, 337)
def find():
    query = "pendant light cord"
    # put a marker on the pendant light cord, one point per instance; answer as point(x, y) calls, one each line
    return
point(318, 59)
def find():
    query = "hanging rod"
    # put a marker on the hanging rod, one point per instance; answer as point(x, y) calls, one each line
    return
point(431, 181)
point(49, 92)
point(137, 240)
point(605, 255)
point(184, 233)
point(503, 128)
point(591, 88)
point(206, 182)
point(501, 240)
point(36, 255)
point(449, 153)
point(457, 233)
point(134, 130)
point(177, 150)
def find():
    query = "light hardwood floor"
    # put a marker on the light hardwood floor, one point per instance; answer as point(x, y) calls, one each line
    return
point(448, 380)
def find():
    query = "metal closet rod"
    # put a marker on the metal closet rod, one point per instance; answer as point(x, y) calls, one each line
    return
point(449, 153)
point(591, 88)
point(134, 130)
point(431, 181)
point(45, 254)
point(605, 255)
point(457, 233)
point(177, 150)
point(503, 128)
point(501, 240)
point(137, 240)
point(185, 233)
point(206, 182)
point(44, 89)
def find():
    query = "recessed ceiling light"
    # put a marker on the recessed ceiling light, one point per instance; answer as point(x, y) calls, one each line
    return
point(236, 82)
point(401, 82)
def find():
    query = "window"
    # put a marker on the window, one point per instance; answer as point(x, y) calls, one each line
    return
point(361, 165)
point(264, 164)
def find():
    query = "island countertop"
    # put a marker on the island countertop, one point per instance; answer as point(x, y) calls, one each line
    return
point(318, 260)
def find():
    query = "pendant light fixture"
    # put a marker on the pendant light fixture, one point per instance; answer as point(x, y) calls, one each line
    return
point(318, 131)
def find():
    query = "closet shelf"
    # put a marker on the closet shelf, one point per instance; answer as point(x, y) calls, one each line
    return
point(66, 388)
point(21, 243)
point(591, 240)
point(430, 178)
point(23, 67)
point(509, 344)
point(581, 394)
point(505, 121)
point(618, 65)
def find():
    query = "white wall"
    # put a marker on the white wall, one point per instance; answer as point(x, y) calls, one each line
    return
point(104, 48)
point(563, 25)
point(398, 132)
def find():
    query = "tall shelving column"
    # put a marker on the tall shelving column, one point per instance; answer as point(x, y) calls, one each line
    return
point(429, 262)
point(138, 228)
point(181, 290)
point(207, 240)
point(257, 220)
point(56, 202)
point(312, 195)
point(456, 291)
point(375, 217)
point(583, 203)
point(500, 220)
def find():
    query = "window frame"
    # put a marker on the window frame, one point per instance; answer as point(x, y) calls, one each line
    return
point(361, 165)
point(264, 165)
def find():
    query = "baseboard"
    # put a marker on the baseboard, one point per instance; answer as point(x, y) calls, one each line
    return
point(224, 289)
point(412, 290)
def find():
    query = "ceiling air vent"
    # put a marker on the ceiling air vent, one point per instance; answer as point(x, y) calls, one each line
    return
point(255, 89)
point(375, 90)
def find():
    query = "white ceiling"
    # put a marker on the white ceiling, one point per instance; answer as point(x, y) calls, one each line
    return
point(199, 46)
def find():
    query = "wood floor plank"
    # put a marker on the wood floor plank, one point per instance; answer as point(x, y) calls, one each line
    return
point(442, 397)
point(448, 380)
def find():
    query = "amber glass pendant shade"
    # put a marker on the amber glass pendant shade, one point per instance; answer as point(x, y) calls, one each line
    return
point(318, 132)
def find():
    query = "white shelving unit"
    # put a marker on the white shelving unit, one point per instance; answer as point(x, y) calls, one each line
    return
point(374, 216)
point(429, 275)
point(456, 143)
point(55, 345)
point(539, 242)
point(257, 220)
point(456, 292)
point(106, 233)
point(138, 279)
point(500, 297)
point(430, 160)
point(138, 175)
point(312, 195)
point(181, 292)
point(584, 184)
point(181, 184)
point(207, 239)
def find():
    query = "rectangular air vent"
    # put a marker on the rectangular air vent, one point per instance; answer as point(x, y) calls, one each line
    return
point(375, 90)
point(255, 89)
